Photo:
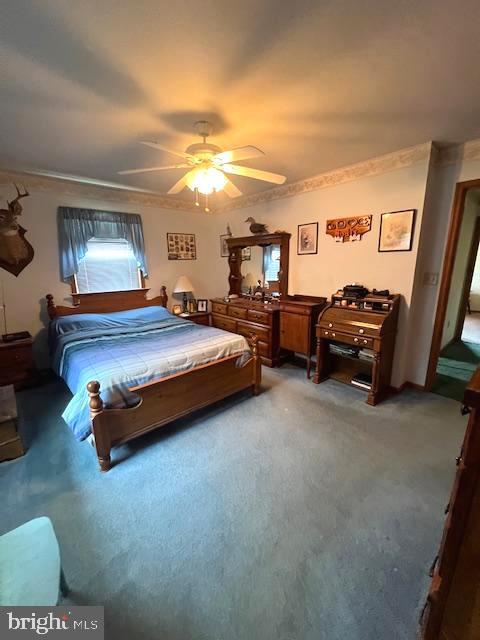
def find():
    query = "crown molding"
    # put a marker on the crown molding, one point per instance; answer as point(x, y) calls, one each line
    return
point(372, 167)
point(95, 190)
point(454, 154)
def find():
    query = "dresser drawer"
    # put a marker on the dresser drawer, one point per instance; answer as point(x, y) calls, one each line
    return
point(237, 312)
point(357, 341)
point(247, 328)
point(258, 316)
point(263, 349)
point(223, 323)
point(219, 308)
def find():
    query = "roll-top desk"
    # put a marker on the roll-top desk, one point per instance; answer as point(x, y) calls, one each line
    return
point(370, 330)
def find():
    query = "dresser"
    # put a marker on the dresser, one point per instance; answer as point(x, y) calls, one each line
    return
point(17, 366)
point(369, 338)
point(452, 608)
point(245, 316)
point(298, 317)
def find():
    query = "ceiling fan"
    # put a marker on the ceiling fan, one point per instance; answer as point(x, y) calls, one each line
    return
point(208, 166)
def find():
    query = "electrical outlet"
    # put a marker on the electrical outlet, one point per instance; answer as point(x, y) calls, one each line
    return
point(430, 279)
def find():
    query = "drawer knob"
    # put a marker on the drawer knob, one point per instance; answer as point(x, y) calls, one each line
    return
point(326, 333)
point(330, 324)
point(365, 342)
point(355, 339)
point(361, 331)
point(333, 335)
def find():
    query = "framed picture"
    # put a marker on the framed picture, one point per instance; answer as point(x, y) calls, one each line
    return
point(396, 231)
point(223, 245)
point(181, 246)
point(247, 253)
point(307, 240)
point(177, 309)
point(202, 305)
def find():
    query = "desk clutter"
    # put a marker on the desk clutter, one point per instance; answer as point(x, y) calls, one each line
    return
point(356, 340)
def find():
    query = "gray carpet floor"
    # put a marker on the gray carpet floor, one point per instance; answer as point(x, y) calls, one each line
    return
point(302, 514)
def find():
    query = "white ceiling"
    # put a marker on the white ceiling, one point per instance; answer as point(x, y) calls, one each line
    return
point(316, 85)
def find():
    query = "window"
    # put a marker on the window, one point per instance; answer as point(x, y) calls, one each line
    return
point(109, 265)
point(271, 262)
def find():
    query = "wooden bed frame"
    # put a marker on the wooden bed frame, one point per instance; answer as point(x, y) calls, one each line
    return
point(163, 400)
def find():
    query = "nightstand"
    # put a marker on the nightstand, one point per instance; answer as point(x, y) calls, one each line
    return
point(199, 317)
point(17, 366)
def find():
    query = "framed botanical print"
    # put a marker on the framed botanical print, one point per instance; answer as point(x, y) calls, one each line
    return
point(307, 240)
point(223, 245)
point(396, 231)
point(181, 246)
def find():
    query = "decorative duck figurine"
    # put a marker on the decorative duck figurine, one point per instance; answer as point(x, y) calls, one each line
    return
point(256, 227)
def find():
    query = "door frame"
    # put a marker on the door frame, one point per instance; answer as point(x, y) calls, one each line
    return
point(467, 285)
point(456, 219)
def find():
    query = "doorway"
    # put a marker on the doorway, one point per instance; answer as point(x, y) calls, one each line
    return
point(455, 352)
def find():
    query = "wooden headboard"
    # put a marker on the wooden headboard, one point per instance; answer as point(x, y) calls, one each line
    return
point(106, 302)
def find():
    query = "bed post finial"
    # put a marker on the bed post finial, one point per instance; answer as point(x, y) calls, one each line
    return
point(95, 403)
point(163, 296)
point(51, 308)
point(257, 364)
point(102, 442)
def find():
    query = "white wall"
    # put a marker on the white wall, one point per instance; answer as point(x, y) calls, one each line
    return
point(475, 286)
point(25, 294)
point(338, 264)
point(440, 193)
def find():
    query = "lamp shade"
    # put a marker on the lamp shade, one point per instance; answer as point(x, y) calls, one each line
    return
point(249, 280)
point(183, 285)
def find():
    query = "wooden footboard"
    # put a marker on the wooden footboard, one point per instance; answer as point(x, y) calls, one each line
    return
point(169, 398)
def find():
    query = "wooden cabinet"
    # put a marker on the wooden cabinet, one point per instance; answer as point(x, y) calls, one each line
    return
point(452, 609)
point(247, 317)
point(298, 316)
point(371, 330)
point(10, 442)
point(17, 366)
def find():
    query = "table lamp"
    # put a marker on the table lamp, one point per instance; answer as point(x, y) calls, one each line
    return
point(183, 285)
point(249, 281)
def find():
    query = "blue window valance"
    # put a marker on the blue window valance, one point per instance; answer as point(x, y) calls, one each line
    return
point(77, 226)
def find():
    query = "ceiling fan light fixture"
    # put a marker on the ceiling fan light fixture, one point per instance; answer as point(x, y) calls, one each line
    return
point(206, 180)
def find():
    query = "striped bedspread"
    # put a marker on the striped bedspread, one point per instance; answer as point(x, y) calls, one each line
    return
point(131, 354)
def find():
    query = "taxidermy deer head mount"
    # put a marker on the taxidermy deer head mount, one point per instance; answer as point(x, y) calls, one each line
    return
point(8, 217)
point(15, 251)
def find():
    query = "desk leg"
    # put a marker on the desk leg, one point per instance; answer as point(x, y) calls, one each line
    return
point(321, 369)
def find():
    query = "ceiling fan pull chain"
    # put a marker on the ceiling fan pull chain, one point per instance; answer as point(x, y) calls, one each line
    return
point(206, 203)
point(197, 204)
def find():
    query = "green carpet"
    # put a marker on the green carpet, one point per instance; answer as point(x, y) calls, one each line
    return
point(456, 366)
point(301, 514)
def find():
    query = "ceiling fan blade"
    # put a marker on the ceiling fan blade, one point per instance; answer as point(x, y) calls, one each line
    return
point(231, 190)
point(268, 176)
point(179, 185)
point(127, 172)
point(240, 153)
point(160, 147)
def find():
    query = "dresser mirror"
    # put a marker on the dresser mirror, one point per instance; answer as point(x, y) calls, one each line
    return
point(261, 258)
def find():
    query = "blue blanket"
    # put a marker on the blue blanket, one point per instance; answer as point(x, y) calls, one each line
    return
point(126, 349)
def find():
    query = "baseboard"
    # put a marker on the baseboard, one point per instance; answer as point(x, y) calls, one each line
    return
point(408, 385)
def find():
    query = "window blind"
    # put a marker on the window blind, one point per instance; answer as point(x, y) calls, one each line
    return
point(108, 265)
point(272, 262)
